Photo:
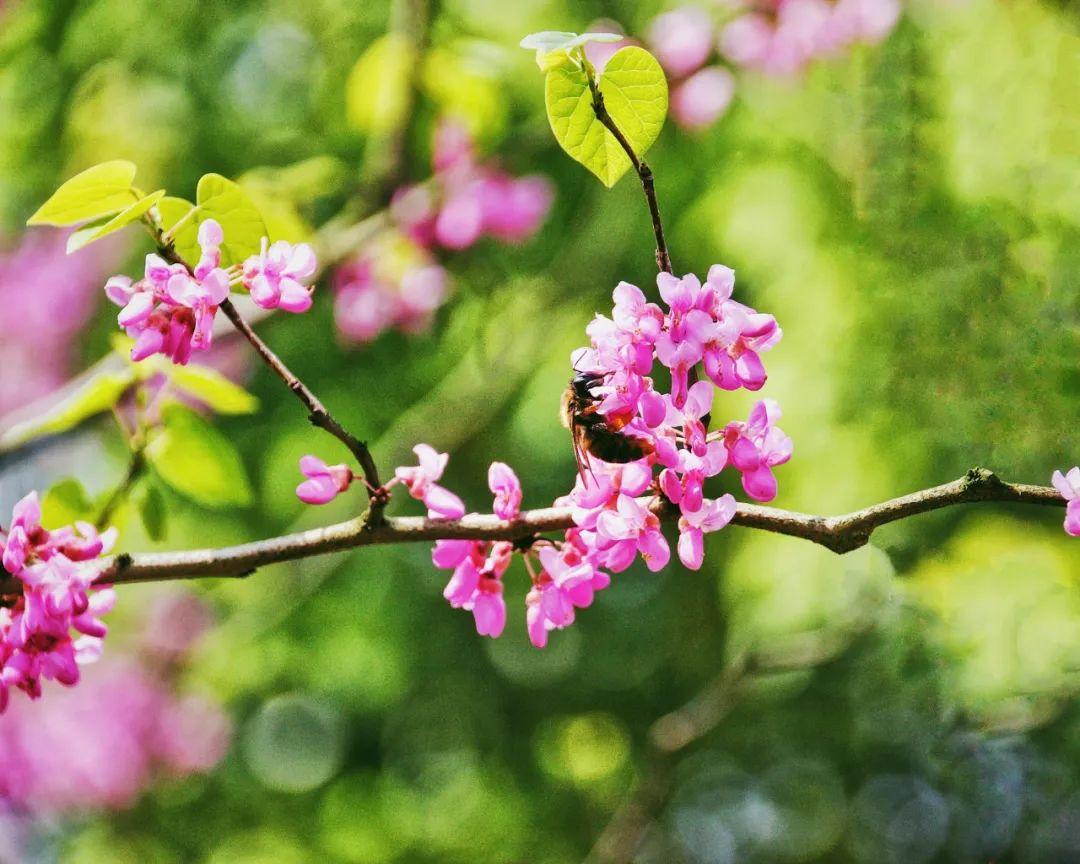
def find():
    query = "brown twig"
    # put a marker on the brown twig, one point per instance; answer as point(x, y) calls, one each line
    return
point(644, 172)
point(317, 413)
point(838, 533)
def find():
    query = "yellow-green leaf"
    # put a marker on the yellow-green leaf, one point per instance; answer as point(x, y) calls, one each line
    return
point(377, 90)
point(198, 461)
point(65, 503)
point(99, 191)
point(636, 96)
point(223, 200)
point(212, 389)
point(98, 229)
point(96, 395)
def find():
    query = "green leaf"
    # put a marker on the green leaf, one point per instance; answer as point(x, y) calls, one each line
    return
point(198, 461)
point(636, 96)
point(65, 503)
point(99, 191)
point(101, 228)
point(96, 395)
point(152, 511)
point(212, 389)
point(221, 199)
point(377, 90)
point(186, 238)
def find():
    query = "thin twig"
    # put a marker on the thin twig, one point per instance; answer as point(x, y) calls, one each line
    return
point(644, 172)
point(838, 533)
point(317, 413)
point(121, 492)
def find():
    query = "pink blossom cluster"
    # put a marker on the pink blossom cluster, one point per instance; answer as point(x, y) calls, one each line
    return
point(780, 37)
point(616, 506)
point(47, 299)
point(467, 200)
point(396, 281)
point(65, 754)
point(378, 290)
point(171, 309)
point(56, 570)
point(1069, 486)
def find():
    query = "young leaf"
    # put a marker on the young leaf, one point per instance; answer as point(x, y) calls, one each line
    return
point(636, 96)
point(152, 511)
point(212, 389)
point(65, 503)
point(377, 90)
point(221, 199)
point(555, 48)
point(198, 461)
point(101, 228)
point(96, 395)
point(99, 191)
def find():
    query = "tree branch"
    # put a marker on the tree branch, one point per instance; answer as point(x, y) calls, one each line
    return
point(838, 533)
point(644, 172)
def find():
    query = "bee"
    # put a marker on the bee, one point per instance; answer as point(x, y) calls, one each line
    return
point(591, 431)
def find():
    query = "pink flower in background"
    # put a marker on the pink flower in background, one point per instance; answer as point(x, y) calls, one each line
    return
point(1069, 486)
point(66, 755)
point(275, 277)
point(782, 37)
point(702, 99)
point(46, 297)
point(324, 483)
point(420, 481)
point(396, 282)
point(388, 287)
point(682, 39)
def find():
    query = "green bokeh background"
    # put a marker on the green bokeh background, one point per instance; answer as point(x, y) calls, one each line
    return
point(909, 212)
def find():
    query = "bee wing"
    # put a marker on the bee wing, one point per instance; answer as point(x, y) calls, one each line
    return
point(579, 452)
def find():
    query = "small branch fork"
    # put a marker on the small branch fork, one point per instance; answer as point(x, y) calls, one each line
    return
point(644, 172)
point(838, 533)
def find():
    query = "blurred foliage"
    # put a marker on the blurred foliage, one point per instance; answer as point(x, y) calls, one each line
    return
point(911, 214)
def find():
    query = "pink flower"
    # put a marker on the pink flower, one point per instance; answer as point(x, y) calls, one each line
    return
point(476, 583)
point(324, 483)
point(711, 516)
point(756, 447)
point(374, 293)
point(171, 310)
point(420, 481)
point(1069, 486)
point(702, 99)
point(275, 277)
point(681, 39)
point(506, 488)
point(36, 640)
point(628, 529)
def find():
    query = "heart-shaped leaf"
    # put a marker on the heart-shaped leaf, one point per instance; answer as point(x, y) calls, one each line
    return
point(636, 96)
point(99, 191)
